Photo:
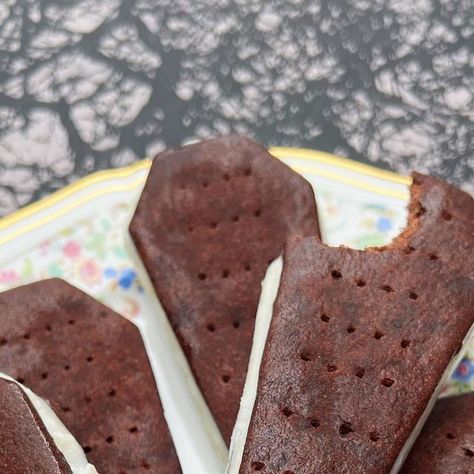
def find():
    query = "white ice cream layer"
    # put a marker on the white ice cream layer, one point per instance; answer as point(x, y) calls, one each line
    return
point(270, 286)
point(63, 439)
point(197, 439)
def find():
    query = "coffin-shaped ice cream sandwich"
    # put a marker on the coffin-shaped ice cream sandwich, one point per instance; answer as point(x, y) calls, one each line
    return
point(446, 443)
point(91, 365)
point(32, 438)
point(211, 217)
point(348, 361)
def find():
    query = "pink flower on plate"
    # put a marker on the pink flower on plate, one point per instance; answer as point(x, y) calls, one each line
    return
point(89, 271)
point(72, 249)
point(8, 276)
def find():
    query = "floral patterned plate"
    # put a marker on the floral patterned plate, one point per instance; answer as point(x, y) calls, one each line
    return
point(79, 234)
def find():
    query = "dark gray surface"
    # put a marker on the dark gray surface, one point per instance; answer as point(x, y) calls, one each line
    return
point(87, 85)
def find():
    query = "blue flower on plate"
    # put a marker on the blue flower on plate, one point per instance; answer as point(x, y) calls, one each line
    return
point(464, 370)
point(383, 224)
point(110, 272)
point(127, 277)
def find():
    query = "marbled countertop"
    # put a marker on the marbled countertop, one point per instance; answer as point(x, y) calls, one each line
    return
point(101, 83)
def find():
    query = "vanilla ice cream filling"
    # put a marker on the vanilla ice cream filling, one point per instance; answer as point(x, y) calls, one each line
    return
point(63, 439)
point(270, 285)
point(197, 438)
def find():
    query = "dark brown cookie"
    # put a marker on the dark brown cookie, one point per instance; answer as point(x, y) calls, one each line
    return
point(358, 344)
point(446, 444)
point(26, 447)
point(210, 219)
point(90, 363)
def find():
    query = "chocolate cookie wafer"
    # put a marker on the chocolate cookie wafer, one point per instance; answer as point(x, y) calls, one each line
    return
point(32, 438)
point(446, 443)
point(90, 363)
point(210, 219)
point(357, 349)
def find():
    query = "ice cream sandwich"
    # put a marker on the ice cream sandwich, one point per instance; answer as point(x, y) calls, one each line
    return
point(446, 443)
point(211, 217)
point(345, 374)
point(91, 365)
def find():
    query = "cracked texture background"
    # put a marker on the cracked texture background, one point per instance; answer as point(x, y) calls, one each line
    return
point(91, 84)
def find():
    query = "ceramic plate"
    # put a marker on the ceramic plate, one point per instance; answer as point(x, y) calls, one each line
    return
point(79, 234)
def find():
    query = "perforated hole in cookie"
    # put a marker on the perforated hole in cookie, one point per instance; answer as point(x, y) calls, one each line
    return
point(20, 380)
point(468, 452)
point(405, 343)
point(133, 429)
point(226, 378)
point(433, 256)
point(336, 274)
point(450, 436)
point(387, 288)
point(112, 393)
point(247, 172)
point(378, 335)
point(26, 337)
point(257, 466)
point(109, 439)
point(90, 359)
point(235, 218)
point(409, 249)
point(225, 274)
point(226, 177)
point(325, 318)
point(87, 449)
point(3, 342)
point(332, 368)
point(44, 375)
point(413, 296)
point(351, 329)
point(387, 382)
point(305, 356)
point(314, 422)
point(288, 472)
point(236, 324)
point(360, 283)
point(286, 412)
point(202, 276)
point(345, 429)
point(374, 436)
point(257, 213)
point(360, 373)
point(71, 322)
point(247, 267)
point(210, 327)
point(146, 465)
